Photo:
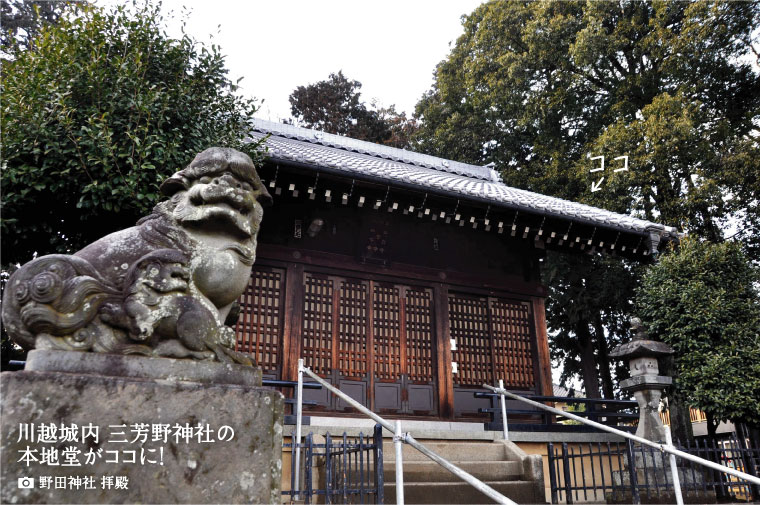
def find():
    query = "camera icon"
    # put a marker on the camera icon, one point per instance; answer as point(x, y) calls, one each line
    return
point(26, 482)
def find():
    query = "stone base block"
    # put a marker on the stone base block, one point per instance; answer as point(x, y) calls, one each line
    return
point(652, 485)
point(663, 497)
point(163, 440)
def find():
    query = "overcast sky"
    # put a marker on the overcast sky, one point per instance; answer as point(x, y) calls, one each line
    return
point(391, 47)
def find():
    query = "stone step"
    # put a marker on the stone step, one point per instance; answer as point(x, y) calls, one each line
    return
point(450, 450)
point(430, 471)
point(460, 492)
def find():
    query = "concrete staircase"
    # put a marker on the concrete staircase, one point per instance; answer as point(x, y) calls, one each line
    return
point(501, 464)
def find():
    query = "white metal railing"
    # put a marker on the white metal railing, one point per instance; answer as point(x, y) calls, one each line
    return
point(666, 447)
point(399, 438)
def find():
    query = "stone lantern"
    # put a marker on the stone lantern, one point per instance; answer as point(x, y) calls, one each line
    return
point(645, 383)
point(647, 466)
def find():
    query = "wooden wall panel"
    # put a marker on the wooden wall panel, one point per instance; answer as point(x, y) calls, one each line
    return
point(390, 334)
point(352, 355)
point(259, 326)
point(318, 324)
point(512, 339)
point(420, 350)
point(386, 330)
point(469, 327)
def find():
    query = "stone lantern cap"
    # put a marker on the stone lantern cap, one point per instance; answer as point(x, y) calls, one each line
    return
point(641, 346)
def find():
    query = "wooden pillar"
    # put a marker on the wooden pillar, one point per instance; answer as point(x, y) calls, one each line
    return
point(544, 379)
point(293, 321)
point(401, 290)
point(443, 352)
point(371, 344)
point(335, 356)
point(494, 372)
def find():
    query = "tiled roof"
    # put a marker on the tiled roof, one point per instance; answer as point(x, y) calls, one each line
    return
point(558, 390)
point(397, 166)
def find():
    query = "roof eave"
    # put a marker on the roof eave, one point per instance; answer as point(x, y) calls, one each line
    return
point(654, 235)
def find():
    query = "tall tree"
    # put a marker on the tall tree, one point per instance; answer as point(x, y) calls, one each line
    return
point(335, 106)
point(96, 112)
point(400, 129)
point(537, 88)
point(580, 340)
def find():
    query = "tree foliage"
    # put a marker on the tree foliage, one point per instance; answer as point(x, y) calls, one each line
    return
point(335, 106)
point(702, 300)
point(582, 341)
point(537, 88)
point(22, 19)
point(95, 114)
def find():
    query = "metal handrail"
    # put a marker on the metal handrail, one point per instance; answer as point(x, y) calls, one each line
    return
point(398, 438)
point(568, 399)
point(407, 438)
point(666, 447)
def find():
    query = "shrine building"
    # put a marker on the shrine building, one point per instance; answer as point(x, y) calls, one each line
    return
point(408, 280)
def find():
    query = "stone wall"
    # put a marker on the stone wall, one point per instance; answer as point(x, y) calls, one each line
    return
point(183, 438)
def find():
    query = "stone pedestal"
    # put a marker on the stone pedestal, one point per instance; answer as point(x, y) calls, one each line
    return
point(167, 431)
point(651, 475)
point(647, 390)
point(651, 469)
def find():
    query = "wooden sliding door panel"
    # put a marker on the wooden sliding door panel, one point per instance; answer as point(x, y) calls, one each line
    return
point(469, 327)
point(335, 335)
point(494, 340)
point(316, 348)
point(420, 345)
point(421, 348)
point(259, 326)
point(512, 337)
point(352, 355)
point(386, 330)
point(374, 339)
point(404, 349)
point(350, 340)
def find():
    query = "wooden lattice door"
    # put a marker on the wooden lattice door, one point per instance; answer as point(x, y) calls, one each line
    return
point(470, 331)
point(350, 341)
point(403, 349)
point(386, 333)
point(420, 360)
point(316, 346)
point(374, 340)
point(492, 339)
point(512, 337)
point(259, 325)
point(335, 336)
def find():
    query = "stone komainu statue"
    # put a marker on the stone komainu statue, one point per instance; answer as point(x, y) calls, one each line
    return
point(161, 288)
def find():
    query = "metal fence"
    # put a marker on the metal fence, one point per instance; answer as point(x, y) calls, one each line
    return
point(339, 470)
point(622, 414)
point(625, 472)
point(290, 403)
